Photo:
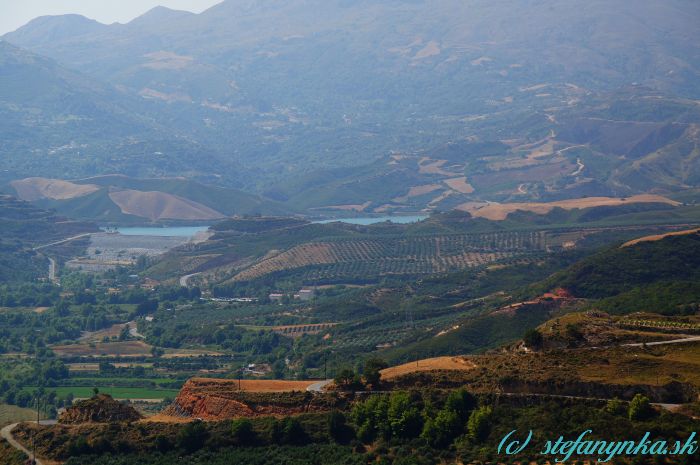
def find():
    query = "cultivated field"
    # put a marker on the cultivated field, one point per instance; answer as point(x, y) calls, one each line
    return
point(409, 255)
point(293, 331)
point(104, 349)
point(499, 211)
point(430, 364)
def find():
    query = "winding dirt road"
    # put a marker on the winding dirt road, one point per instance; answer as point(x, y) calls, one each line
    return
point(6, 434)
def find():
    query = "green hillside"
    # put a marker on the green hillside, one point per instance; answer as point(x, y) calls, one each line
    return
point(23, 227)
point(658, 276)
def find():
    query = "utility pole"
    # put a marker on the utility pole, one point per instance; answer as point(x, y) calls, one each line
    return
point(38, 410)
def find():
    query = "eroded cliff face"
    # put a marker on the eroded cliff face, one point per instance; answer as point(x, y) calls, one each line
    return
point(214, 399)
point(100, 409)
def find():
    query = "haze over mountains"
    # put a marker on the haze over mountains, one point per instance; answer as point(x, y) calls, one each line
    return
point(337, 103)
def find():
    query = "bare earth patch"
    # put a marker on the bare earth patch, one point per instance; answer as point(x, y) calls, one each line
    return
point(31, 189)
point(460, 185)
point(430, 364)
point(433, 167)
point(104, 349)
point(658, 237)
point(431, 49)
point(499, 211)
point(156, 205)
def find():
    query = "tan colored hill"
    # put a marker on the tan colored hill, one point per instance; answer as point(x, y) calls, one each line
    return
point(430, 364)
point(31, 189)
point(156, 205)
point(658, 237)
point(499, 211)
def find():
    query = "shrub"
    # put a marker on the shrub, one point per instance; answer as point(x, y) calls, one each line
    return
point(192, 437)
point(640, 408)
point(242, 431)
point(479, 424)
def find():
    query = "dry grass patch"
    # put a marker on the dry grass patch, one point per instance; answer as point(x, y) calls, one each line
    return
point(499, 211)
point(159, 205)
point(252, 385)
point(460, 185)
point(430, 364)
point(31, 189)
point(658, 237)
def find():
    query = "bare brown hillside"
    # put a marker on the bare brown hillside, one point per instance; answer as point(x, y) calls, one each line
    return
point(156, 205)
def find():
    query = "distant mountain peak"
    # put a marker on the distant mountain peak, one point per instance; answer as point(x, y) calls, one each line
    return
point(46, 29)
point(158, 14)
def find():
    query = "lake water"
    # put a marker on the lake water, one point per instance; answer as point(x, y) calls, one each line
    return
point(378, 219)
point(174, 231)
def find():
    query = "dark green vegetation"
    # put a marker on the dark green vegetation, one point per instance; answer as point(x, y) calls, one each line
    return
point(401, 428)
point(24, 227)
point(658, 276)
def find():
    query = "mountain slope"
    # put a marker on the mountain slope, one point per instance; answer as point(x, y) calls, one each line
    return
point(53, 119)
point(120, 199)
point(23, 227)
point(289, 87)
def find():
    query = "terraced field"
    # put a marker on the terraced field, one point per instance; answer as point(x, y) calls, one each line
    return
point(395, 256)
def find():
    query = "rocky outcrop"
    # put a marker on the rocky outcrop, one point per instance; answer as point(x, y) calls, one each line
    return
point(100, 409)
point(219, 399)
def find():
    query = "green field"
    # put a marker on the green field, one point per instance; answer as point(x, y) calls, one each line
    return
point(116, 392)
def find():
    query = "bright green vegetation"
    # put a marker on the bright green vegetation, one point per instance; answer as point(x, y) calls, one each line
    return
point(82, 392)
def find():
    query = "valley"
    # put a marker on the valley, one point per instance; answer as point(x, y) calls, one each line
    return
point(320, 232)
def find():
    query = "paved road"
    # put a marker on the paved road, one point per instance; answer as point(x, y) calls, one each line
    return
point(318, 387)
point(661, 343)
point(62, 241)
point(670, 407)
point(186, 278)
point(52, 270)
point(6, 434)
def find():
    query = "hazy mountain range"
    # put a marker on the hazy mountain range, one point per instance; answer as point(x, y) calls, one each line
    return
point(328, 103)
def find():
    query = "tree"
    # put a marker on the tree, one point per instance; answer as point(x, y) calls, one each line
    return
point(338, 430)
point(461, 402)
point(372, 369)
point(405, 419)
point(640, 408)
point(615, 407)
point(442, 430)
point(192, 437)
point(293, 432)
point(533, 339)
point(479, 424)
point(242, 431)
point(347, 379)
